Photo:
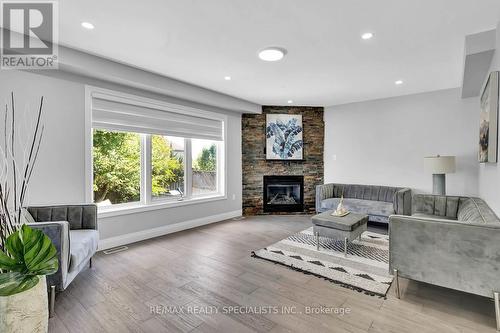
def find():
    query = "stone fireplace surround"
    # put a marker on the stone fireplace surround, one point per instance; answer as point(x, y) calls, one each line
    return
point(255, 166)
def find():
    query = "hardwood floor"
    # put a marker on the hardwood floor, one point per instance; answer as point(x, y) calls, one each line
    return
point(210, 268)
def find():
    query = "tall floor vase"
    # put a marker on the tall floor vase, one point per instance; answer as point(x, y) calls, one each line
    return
point(27, 311)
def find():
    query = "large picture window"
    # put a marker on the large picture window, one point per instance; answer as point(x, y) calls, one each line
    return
point(146, 153)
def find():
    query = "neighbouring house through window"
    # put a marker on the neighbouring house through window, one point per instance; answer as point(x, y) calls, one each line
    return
point(204, 159)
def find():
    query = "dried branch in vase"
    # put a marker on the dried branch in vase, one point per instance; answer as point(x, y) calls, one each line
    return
point(17, 162)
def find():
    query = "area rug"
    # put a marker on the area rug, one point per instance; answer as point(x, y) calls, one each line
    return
point(366, 267)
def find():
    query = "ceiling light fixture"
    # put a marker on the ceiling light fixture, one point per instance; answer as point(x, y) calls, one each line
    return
point(398, 82)
point(227, 78)
point(272, 54)
point(290, 101)
point(88, 25)
point(367, 35)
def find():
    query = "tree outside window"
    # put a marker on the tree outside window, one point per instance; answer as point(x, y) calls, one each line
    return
point(117, 167)
point(167, 173)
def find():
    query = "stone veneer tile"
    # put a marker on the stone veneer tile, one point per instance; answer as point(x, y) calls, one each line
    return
point(255, 165)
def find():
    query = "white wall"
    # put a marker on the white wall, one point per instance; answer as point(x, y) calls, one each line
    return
point(383, 142)
point(489, 174)
point(59, 177)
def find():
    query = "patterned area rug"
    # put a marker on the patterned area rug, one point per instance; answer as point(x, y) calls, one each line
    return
point(366, 267)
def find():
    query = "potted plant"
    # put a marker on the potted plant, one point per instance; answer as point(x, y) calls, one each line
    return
point(26, 254)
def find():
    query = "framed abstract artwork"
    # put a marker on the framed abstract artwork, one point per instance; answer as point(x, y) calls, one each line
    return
point(488, 128)
point(284, 137)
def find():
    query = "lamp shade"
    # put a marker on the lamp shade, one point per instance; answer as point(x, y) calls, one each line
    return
point(439, 164)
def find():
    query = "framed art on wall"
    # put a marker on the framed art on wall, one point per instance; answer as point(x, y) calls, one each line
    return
point(284, 137)
point(488, 128)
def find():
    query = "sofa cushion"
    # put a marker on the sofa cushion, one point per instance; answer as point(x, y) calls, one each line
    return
point(439, 205)
point(83, 244)
point(378, 218)
point(365, 192)
point(78, 216)
point(368, 207)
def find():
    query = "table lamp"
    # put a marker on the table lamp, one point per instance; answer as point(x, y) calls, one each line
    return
point(439, 166)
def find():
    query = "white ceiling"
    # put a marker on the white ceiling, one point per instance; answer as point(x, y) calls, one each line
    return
point(200, 42)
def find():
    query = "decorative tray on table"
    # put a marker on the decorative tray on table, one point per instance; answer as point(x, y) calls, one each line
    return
point(340, 214)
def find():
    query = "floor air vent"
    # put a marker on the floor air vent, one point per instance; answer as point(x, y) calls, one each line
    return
point(115, 249)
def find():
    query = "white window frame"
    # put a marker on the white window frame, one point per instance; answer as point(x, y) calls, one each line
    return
point(146, 202)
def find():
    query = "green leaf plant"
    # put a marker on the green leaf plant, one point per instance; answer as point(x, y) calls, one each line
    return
point(28, 253)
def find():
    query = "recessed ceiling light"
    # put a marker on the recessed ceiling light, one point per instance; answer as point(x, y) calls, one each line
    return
point(272, 54)
point(398, 82)
point(289, 101)
point(88, 25)
point(367, 35)
point(227, 78)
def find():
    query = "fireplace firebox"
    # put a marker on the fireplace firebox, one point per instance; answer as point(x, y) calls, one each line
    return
point(283, 193)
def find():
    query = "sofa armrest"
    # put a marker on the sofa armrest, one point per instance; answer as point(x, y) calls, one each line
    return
point(323, 192)
point(82, 216)
point(447, 253)
point(58, 232)
point(402, 202)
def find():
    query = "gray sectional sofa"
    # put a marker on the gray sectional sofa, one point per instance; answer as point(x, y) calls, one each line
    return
point(449, 241)
point(378, 202)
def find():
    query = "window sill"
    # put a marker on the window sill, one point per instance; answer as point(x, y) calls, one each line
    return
point(139, 207)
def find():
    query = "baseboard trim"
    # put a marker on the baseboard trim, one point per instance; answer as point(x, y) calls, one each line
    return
point(108, 243)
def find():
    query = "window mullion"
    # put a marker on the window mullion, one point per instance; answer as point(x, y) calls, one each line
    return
point(146, 166)
point(188, 169)
point(220, 167)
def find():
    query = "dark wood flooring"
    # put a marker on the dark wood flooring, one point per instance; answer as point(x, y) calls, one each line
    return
point(210, 268)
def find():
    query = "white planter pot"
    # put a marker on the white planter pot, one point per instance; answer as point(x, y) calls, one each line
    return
point(26, 311)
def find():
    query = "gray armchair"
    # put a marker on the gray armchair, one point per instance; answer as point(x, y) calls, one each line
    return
point(449, 241)
point(73, 230)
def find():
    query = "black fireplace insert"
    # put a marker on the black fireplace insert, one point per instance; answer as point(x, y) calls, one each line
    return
point(283, 193)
